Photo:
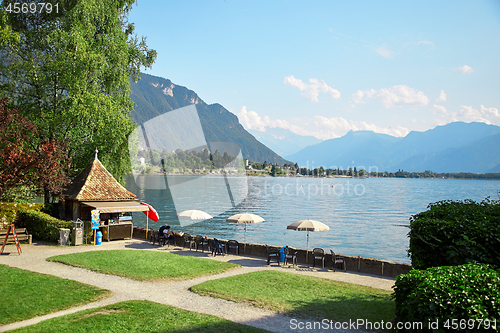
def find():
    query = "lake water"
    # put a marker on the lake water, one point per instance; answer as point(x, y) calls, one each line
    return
point(367, 217)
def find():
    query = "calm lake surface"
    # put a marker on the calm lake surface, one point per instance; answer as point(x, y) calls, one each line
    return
point(367, 217)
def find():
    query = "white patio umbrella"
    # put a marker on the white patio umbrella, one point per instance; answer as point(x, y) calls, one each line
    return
point(193, 214)
point(308, 225)
point(245, 218)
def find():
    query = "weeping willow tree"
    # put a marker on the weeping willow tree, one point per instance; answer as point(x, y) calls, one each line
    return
point(67, 69)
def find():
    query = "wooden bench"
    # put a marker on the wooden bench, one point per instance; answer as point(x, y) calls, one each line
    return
point(22, 235)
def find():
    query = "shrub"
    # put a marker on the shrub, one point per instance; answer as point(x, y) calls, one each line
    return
point(451, 295)
point(455, 233)
point(43, 226)
point(9, 211)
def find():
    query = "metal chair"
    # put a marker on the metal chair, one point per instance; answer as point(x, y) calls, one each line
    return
point(154, 237)
point(159, 238)
point(290, 257)
point(272, 253)
point(319, 254)
point(189, 241)
point(217, 247)
point(337, 260)
point(233, 245)
point(201, 242)
point(166, 240)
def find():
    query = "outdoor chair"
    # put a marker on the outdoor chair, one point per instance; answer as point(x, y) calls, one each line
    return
point(319, 254)
point(233, 245)
point(337, 260)
point(159, 238)
point(201, 242)
point(162, 240)
point(272, 253)
point(290, 257)
point(189, 241)
point(217, 247)
point(154, 236)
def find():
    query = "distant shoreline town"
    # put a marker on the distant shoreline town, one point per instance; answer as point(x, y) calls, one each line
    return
point(194, 164)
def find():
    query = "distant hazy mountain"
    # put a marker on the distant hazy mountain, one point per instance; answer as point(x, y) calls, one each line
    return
point(155, 96)
point(455, 147)
point(478, 157)
point(283, 141)
point(353, 149)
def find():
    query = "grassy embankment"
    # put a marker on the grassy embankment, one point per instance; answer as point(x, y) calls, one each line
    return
point(144, 265)
point(303, 296)
point(288, 293)
point(27, 294)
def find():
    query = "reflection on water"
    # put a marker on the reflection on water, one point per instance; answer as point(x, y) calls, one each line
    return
point(366, 216)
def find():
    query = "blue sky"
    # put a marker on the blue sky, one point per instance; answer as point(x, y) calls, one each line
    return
point(323, 68)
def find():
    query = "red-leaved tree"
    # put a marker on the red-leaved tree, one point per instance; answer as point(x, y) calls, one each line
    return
point(26, 159)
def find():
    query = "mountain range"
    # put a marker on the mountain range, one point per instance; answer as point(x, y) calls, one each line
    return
point(283, 141)
point(154, 96)
point(454, 147)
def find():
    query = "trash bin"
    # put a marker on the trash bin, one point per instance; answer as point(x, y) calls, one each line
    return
point(64, 236)
point(77, 233)
point(98, 240)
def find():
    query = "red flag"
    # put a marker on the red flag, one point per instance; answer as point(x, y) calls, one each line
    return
point(152, 213)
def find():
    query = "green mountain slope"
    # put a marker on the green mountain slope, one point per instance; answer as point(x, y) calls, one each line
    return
point(155, 96)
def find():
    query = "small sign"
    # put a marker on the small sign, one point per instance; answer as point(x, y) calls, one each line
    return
point(95, 220)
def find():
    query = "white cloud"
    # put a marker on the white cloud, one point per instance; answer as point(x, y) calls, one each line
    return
point(384, 52)
point(438, 109)
point(465, 69)
point(318, 126)
point(394, 96)
point(358, 96)
point(442, 97)
point(311, 90)
point(338, 126)
point(484, 115)
point(401, 94)
point(251, 120)
point(445, 115)
point(426, 42)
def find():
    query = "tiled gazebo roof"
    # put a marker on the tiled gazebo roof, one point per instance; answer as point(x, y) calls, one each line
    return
point(95, 183)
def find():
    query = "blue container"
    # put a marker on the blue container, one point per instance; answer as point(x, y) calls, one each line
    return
point(98, 240)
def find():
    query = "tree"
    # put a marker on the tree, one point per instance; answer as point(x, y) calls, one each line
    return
point(69, 72)
point(26, 159)
point(273, 170)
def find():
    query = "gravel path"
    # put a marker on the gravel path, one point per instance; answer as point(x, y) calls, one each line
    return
point(175, 293)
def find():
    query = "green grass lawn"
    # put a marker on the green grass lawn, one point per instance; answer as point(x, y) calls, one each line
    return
point(144, 265)
point(303, 296)
point(138, 316)
point(27, 294)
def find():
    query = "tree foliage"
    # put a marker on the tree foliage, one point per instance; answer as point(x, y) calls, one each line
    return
point(69, 72)
point(192, 160)
point(27, 159)
point(455, 233)
point(460, 298)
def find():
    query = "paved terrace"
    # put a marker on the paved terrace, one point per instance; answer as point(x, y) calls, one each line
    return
point(176, 293)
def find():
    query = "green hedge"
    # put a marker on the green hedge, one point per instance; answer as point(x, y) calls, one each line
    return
point(43, 226)
point(454, 233)
point(455, 296)
point(9, 211)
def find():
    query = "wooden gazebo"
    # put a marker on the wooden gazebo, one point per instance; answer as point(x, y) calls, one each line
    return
point(95, 188)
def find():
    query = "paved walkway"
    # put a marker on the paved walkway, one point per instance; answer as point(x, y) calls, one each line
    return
point(176, 293)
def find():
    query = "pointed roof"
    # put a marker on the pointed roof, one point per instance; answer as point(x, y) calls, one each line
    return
point(95, 183)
